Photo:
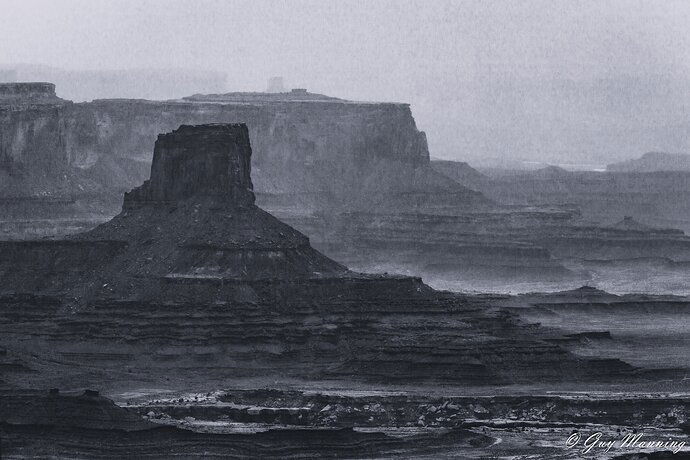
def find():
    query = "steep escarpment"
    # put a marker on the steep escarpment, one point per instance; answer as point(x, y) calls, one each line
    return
point(194, 218)
point(33, 163)
point(28, 93)
point(192, 271)
point(193, 291)
point(212, 161)
point(316, 150)
point(355, 177)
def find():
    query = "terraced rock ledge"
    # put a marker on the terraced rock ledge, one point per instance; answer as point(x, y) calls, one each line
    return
point(193, 288)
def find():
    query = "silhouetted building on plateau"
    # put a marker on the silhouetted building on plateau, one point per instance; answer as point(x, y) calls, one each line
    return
point(275, 85)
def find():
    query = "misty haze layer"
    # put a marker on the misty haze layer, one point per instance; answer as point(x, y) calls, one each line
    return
point(592, 82)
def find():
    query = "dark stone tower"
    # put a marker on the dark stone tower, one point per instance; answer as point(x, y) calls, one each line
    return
point(195, 219)
point(204, 162)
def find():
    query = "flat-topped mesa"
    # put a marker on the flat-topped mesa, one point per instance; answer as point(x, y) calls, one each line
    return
point(195, 219)
point(29, 92)
point(32, 89)
point(296, 95)
point(202, 162)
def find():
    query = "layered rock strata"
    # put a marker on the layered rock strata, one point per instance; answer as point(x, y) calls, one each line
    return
point(193, 272)
point(313, 150)
point(355, 177)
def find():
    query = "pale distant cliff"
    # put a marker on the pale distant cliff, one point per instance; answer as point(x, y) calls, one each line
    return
point(312, 147)
point(86, 85)
point(653, 162)
point(22, 93)
point(32, 154)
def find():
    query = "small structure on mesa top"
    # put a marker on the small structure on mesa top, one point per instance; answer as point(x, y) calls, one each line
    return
point(275, 85)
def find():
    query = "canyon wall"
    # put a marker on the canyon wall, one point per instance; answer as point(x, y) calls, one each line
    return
point(191, 242)
point(32, 159)
point(313, 149)
point(353, 176)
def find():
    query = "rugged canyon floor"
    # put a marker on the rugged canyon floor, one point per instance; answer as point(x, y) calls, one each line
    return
point(195, 324)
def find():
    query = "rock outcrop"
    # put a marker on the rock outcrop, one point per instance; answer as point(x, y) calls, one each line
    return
point(21, 94)
point(191, 269)
point(210, 161)
point(194, 218)
point(35, 178)
point(314, 149)
point(354, 176)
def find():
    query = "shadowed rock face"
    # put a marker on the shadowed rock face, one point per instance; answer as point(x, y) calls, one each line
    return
point(356, 178)
point(203, 161)
point(318, 151)
point(27, 92)
point(190, 263)
point(32, 156)
point(194, 218)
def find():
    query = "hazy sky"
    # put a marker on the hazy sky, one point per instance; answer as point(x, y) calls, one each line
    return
point(522, 79)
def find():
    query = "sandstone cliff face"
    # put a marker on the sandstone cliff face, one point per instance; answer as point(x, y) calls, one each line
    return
point(355, 177)
point(320, 150)
point(32, 157)
point(28, 93)
point(195, 218)
point(211, 160)
point(191, 262)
